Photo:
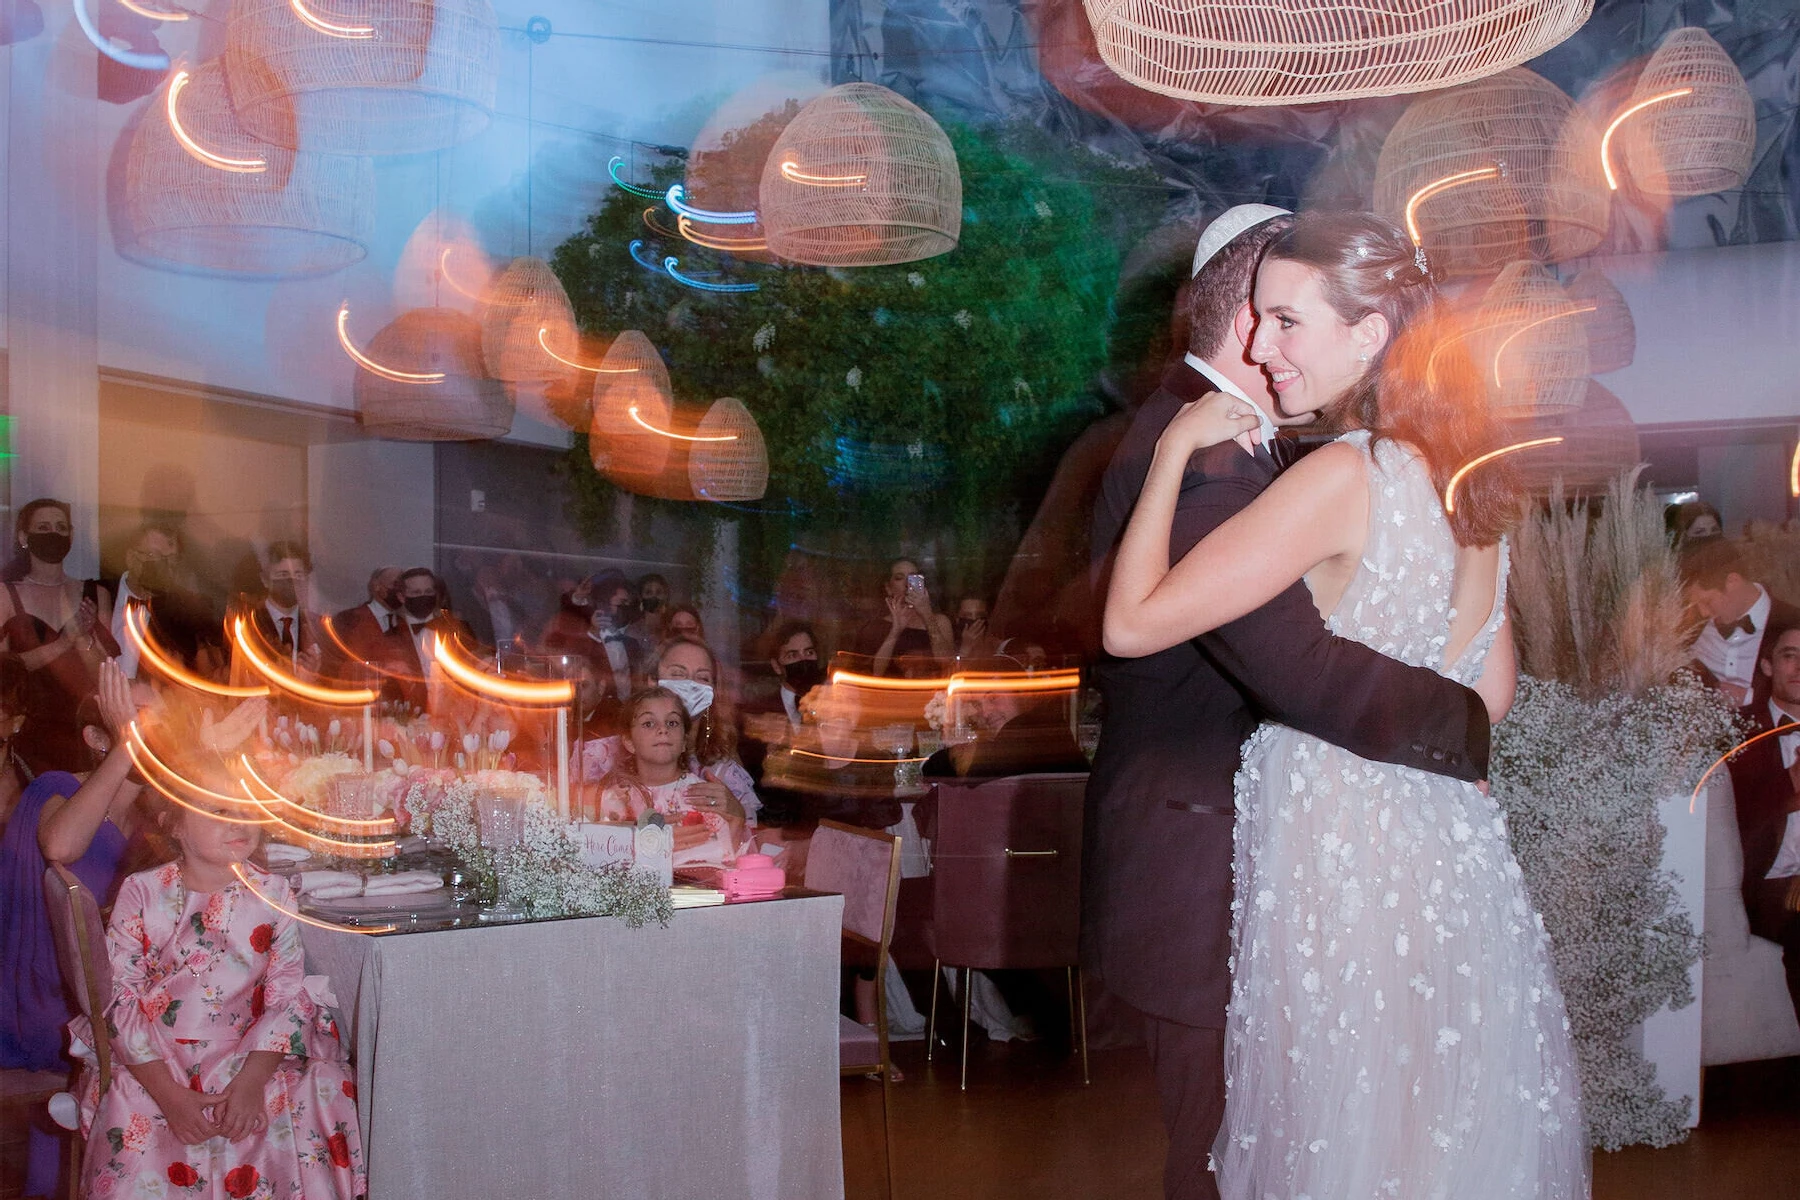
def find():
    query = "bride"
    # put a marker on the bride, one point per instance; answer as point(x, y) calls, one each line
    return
point(1395, 1028)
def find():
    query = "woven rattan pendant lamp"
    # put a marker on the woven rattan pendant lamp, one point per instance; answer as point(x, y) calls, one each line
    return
point(862, 177)
point(1611, 333)
point(732, 470)
point(1494, 171)
point(525, 317)
point(1304, 51)
point(202, 194)
point(421, 380)
point(1690, 128)
point(1599, 440)
point(634, 404)
point(1527, 341)
point(371, 77)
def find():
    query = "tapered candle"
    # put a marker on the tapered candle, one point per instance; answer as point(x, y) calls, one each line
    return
point(369, 739)
point(562, 763)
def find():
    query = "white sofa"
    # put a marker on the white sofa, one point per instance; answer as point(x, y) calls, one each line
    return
point(1745, 1010)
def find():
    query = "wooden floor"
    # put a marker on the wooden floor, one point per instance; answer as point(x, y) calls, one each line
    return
point(1028, 1128)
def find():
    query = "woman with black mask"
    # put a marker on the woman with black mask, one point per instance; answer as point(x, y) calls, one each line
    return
point(59, 630)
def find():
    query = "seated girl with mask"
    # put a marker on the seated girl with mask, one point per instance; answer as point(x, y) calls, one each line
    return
point(688, 668)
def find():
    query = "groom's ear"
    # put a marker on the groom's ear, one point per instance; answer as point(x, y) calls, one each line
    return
point(1243, 324)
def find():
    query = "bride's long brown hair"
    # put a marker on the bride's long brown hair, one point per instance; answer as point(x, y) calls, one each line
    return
point(1421, 388)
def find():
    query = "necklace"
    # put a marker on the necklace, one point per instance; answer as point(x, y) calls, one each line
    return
point(40, 583)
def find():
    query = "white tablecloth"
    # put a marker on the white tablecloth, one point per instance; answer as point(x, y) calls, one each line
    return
point(584, 1059)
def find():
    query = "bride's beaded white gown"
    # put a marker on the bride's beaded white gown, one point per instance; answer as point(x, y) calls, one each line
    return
point(1395, 1028)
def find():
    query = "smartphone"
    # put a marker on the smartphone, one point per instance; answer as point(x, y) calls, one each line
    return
point(915, 588)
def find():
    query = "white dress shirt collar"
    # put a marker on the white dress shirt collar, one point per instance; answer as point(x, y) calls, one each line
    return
point(128, 654)
point(1759, 612)
point(278, 614)
point(1265, 428)
point(791, 703)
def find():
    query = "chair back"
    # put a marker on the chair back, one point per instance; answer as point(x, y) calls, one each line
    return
point(1006, 871)
point(81, 953)
point(863, 866)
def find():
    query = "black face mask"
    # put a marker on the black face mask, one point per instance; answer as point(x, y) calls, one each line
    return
point(391, 600)
point(803, 674)
point(152, 578)
point(650, 603)
point(49, 547)
point(284, 593)
point(420, 608)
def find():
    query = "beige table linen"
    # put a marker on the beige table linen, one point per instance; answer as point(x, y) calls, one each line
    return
point(584, 1059)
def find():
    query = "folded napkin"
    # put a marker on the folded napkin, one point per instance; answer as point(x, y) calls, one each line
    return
point(403, 883)
point(281, 852)
point(329, 885)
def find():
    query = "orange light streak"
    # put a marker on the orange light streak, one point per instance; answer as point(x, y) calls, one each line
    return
point(682, 437)
point(1049, 681)
point(1790, 727)
point(1612, 181)
point(543, 333)
point(241, 166)
point(368, 364)
point(288, 682)
point(1491, 455)
point(884, 684)
point(154, 14)
point(1441, 185)
point(651, 224)
point(329, 28)
point(444, 274)
point(791, 171)
point(238, 870)
point(469, 673)
point(1794, 472)
point(835, 758)
point(343, 647)
point(1508, 340)
point(718, 243)
point(136, 743)
point(137, 631)
point(372, 826)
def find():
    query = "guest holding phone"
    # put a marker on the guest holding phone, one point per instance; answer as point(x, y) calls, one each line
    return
point(913, 630)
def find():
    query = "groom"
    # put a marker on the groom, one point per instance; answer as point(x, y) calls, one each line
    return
point(1156, 888)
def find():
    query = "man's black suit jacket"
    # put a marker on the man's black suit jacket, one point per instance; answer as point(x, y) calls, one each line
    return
point(1156, 884)
point(1763, 792)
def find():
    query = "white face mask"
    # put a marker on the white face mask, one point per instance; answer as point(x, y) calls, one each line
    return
point(695, 696)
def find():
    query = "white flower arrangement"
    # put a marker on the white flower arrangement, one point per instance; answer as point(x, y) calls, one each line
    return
point(309, 783)
point(543, 873)
point(853, 377)
point(937, 712)
point(764, 337)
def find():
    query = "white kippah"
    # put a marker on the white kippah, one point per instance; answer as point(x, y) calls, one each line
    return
point(1228, 225)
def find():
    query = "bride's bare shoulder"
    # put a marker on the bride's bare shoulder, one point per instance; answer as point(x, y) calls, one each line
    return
point(1334, 468)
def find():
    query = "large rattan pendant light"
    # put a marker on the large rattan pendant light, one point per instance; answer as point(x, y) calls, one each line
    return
point(630, 438)
point(202, 194)
point(728, 460)
point(1611, 332)
point(420, 379)
point(1527, 341)
point(862, 177)
point(1494, 171)
point(1599, 440)
point(1690, 126)
point(1292, 52)
point(525, 317)
point(392, 77)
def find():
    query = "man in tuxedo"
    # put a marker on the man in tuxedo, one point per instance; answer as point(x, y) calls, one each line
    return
point(403, 652)
point(1156, 887)
point(1765, 780)
point(362, 627)
point(278, 617)
point(1715, 583)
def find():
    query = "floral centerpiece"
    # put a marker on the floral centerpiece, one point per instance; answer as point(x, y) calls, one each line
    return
point(1606, 724)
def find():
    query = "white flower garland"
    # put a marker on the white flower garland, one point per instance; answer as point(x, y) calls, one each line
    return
point(542, 873)
point(1580, 781)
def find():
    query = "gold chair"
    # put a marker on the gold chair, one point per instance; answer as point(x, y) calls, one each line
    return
point(863, 865)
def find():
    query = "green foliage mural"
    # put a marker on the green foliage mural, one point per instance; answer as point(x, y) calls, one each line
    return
point(920, 400)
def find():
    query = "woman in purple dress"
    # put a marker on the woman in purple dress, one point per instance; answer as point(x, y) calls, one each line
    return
point(83, 821)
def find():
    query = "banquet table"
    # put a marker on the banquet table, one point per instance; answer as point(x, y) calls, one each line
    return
point(581, 1058)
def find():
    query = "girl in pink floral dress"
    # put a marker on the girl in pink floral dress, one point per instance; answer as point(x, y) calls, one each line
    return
point(229, 1078)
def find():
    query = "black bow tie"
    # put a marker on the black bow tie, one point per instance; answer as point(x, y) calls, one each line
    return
point(1727, 628)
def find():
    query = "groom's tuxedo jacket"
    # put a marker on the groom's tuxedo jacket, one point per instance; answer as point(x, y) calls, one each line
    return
point(1156, 883)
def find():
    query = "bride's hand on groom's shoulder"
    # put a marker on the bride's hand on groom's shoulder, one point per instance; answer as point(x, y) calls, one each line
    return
point(1207, 421)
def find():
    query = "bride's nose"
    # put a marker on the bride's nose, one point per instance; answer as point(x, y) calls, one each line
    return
point(1260, 349)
